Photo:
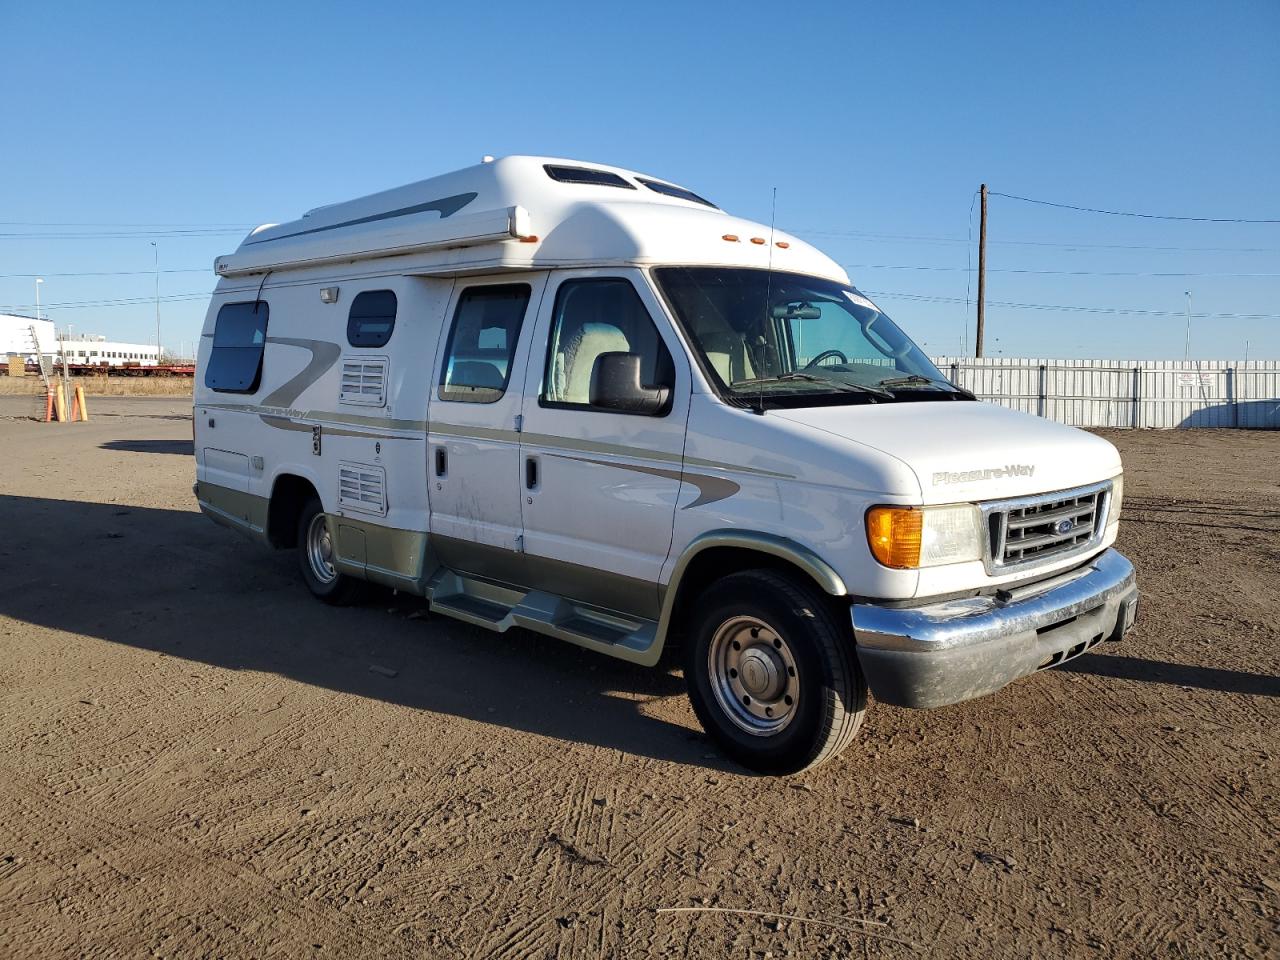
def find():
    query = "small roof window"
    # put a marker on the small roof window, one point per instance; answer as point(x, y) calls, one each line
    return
point(680, 193)
point(598, 178)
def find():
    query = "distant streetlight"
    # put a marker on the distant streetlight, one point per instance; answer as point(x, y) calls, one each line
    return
point(1186, 352)
point(39, 280)
point(156, 247)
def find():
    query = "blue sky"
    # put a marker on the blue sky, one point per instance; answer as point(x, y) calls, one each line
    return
point(875, 122)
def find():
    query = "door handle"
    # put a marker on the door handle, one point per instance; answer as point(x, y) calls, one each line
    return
point(531, 473)
point(442, 461)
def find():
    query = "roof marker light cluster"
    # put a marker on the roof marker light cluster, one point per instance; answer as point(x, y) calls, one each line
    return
point(758, 241)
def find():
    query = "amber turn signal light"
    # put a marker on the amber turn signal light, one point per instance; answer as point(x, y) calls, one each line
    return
point(894, 534)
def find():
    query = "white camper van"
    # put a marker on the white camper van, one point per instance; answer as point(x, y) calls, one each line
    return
point(584, 401)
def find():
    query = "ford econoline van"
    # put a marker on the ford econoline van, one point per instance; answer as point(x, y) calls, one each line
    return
point(581, 400)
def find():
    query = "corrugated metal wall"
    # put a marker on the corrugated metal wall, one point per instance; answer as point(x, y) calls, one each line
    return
point(1128, 393)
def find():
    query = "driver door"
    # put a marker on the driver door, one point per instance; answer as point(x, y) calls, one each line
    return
point(599, 487)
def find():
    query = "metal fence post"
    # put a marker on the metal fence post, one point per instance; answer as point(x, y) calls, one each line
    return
point(1231, 395)
point(955, 373)
point(1137, 397)
point(1043, 389)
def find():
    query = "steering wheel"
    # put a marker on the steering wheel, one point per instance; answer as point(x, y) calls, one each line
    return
point(824, 355)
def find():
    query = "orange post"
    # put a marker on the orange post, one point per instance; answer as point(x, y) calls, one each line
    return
point(48, 405)
point(60, 404)
point(79, 410)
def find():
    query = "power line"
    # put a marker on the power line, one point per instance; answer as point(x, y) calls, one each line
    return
point(1067, 245)
point(1125, 213)
point(121, 235)
point(103, 273)
point(185, 226)
point(1061, 273)
point(116, 302)
point(850, 266)
point(1124, 311)
point(892, 294)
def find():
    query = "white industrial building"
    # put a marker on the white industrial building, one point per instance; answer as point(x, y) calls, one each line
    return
point(15, 336)
point(81, 349)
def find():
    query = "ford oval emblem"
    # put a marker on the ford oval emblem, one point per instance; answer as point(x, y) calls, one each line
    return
point(1063, 527)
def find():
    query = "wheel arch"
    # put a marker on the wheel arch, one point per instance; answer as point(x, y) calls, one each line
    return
point(289, 494)
point(719, 553)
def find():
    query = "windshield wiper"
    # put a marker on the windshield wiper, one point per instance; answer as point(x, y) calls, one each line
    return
point(843, 386)
point(913, 378)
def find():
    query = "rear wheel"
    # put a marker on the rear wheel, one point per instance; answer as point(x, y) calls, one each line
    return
point(316, 554)
point(771, 674)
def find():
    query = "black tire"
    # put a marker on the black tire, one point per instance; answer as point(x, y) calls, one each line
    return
point(817, 652)
point(338, 589)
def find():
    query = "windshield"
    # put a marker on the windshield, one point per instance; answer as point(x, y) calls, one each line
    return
point(785, 339)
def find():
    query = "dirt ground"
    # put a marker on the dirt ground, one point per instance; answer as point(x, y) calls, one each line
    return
point(197, 759)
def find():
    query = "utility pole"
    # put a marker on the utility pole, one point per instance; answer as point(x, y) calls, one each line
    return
point(155, 246)
point(982, 276)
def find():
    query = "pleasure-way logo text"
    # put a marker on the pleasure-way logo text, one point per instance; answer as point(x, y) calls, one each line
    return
point(989, 473)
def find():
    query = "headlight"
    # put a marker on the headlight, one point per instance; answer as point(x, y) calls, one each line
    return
point(910, 537)
point(1117, 497)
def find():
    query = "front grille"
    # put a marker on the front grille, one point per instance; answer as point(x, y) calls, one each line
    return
point(1047, 527)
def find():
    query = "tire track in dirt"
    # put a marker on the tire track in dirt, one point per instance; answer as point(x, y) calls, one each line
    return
point(603, 885)
point(183, 871)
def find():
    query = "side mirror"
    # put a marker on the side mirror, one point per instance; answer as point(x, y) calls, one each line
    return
point(615, 385)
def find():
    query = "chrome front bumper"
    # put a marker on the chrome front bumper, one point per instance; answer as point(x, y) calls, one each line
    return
point(956, 650)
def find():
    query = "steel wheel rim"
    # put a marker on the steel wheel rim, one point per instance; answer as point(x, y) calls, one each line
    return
point(753, 676)
point(320, 550)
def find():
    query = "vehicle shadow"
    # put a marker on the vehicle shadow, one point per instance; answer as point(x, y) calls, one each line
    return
point(1178, 674)
point(172, 582)
point(185, 447)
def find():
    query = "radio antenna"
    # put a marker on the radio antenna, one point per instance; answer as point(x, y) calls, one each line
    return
point(768, 296)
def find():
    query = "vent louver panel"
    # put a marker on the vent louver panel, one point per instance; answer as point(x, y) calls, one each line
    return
point(362, 487)
point(364, 381)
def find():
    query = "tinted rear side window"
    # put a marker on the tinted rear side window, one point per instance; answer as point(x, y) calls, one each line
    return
point(239, 337)
point(372, 318)
point(482, 343)
point(599, 178)
point(671, 190)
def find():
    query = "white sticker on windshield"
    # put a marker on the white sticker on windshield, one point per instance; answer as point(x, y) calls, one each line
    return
point(858, 300)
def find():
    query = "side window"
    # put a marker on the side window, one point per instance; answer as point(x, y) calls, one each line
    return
point(239, 336)
point(372, 318)
point(482, 343)
point(594, 317)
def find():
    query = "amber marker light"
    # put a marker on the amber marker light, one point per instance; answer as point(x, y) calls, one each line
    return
point(758, 240)
point(894, 534)
point(783, 244)
point(731, 237)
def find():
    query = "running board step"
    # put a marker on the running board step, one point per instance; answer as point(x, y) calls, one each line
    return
point(500, 608)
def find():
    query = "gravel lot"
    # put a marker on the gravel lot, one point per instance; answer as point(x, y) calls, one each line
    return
point(196, 759)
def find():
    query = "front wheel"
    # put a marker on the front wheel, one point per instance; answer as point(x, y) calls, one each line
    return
point(316, 553)
point(771, 674)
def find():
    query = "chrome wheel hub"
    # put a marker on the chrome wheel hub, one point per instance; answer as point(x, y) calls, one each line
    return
point(753, 675)
point(319, 547)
